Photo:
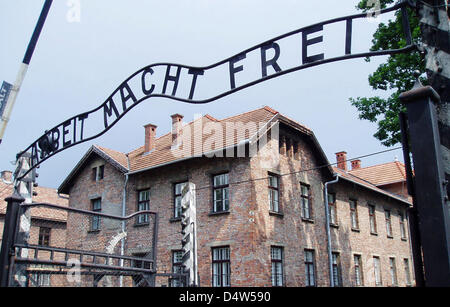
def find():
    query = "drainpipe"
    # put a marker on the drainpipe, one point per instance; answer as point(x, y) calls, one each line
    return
point(124, 205)
point(327, 226)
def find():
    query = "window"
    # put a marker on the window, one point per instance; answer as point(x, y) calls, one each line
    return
point(387, 215)
point(95, 219)
point(44, 236)
point(221, 193)
point(407, 272)
point(178, 189)
point(177, 268)
point(393, 271)
point(377, 270)
point(337, 280)
point(277, 266)
point(274, 193)
point(221, 267)
point(139, 280)
point(402, 225)
point(373, 222)
point(143, 205)
point(98, 173)
point(332, 208)
point(310, 268)
point(306, 205)
point(354, 214)
point(359, 281)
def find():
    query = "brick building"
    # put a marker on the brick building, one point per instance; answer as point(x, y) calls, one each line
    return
point(47, 228)
point(260, 180)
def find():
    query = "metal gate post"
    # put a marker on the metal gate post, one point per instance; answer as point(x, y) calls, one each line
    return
point(413, 222)
point(430, 192)
point(9, 233)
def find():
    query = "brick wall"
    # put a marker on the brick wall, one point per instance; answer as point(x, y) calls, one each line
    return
point(248, 229)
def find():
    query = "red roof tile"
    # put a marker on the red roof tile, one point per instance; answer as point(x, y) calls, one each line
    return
point(44, 195)
point(382, 174)
point(351, 177)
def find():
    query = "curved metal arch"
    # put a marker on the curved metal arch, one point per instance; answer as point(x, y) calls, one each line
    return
point(410, 46)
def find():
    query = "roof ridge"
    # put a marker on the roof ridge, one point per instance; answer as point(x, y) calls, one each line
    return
point(361, 168)
point(365, 180)
point(170, 132)
point(102, 147)
point(254, 110)
point(401, 167)
point(375, 187)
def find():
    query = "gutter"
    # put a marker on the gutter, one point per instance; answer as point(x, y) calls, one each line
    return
point(327, 226)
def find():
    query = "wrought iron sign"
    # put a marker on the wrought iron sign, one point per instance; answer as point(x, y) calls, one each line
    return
point(190, 84)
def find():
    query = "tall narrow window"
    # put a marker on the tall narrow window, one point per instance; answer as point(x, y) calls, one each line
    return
point(101, 172)
point(306, 201)
point(277, 266)
point(387, 215)
point(332, 208)
point(407, 272)
point(354, 214)
point(337, 278)
point(372, 219)
point(274, 193)
point(221, 267)
point(143, 205)
point(95, 219)
point(310, 274)
point(98, 173)
point(402, 225)
point(393, 271)
point(44, 236)
point(177, 257)
point(221, 191)
point(359, 281)
point(178, 189)
point(377, 270)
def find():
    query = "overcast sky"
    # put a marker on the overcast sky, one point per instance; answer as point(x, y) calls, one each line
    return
point(78, 64)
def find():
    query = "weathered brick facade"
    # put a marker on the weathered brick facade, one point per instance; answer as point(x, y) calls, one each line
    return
point(249, 228)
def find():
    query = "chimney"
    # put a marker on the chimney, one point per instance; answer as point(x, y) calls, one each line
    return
point(341, 158)
point(150, 136)
point(177, 123)
point(356, 164)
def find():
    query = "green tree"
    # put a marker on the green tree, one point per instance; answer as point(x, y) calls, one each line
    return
point(396, 74)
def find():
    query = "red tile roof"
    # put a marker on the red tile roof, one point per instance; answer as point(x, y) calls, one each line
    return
point(163, 154)
point(382, 174)
point(367, 184)
point(44, 195)
point(137, 160)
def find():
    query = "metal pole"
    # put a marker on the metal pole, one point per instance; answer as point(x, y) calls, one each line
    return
point(413, 222)
point(9, 233)
point(24, 68)
point(430, 185)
